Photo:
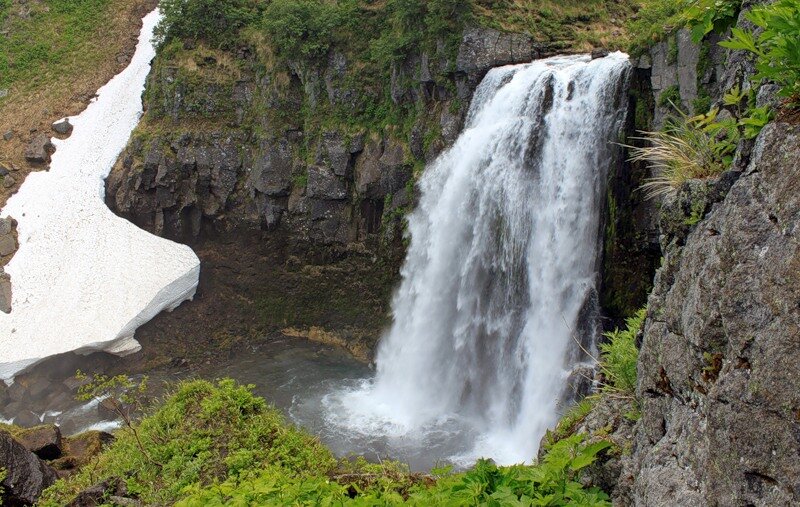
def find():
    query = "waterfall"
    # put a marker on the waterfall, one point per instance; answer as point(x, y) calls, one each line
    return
point(503, 263)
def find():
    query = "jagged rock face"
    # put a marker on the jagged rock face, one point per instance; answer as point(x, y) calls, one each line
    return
point(718, 374)
point(329, 188)
point(27, 476)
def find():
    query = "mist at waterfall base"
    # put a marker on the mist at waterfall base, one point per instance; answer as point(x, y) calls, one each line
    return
point(500, 278)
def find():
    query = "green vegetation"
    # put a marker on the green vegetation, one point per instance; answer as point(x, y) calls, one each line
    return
point(214, 22)
point(658, 19)
point(53, 37)
point(303, 29)
point(707, 16)
point(561, 24)
point(620, 354)
point(670, 97)
point(777, 47)
point(700, 146)
point(680, 152)
point(552, 482)
point(201, 434)
point(218, 444)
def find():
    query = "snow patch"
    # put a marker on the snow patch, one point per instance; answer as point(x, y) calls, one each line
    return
point(83, 278)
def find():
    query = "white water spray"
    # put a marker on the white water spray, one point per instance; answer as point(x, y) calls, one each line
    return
point(502, 265)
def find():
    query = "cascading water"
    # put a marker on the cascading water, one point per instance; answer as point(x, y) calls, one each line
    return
point(502, 263)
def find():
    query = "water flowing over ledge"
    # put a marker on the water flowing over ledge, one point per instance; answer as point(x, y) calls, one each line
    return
point(84, 279)
point(501, 273)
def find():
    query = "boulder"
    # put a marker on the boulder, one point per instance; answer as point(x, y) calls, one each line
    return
point(44, 441)
point(26, 475)
point(98, 494)
point(7, 136)
point(8, 244)
point(39, 149)
point(5, 291)
point(63, 127)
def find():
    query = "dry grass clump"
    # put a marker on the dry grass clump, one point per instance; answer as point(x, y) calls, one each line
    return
point(680, 152)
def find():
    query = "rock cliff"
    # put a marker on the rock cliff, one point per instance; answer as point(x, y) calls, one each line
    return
point(300, 217)
point(718, 380)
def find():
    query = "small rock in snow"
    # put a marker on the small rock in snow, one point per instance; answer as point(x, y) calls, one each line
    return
point(63, 127)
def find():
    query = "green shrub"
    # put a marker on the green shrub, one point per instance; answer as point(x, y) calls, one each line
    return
point(706, 16)
point(554, 482)
point(619, 355)
point(777, 47)
point(302, 29)
point(670, 97)
point(203, 433)
point(215, 22)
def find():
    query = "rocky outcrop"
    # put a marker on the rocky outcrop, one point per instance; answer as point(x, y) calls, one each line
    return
point(44, 441)
point(331, 187)
point(26, 475)
point(39, 149)
point(484, 48)
point(718, 376)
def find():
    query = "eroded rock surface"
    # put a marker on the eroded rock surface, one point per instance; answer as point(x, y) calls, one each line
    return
point(718, 373)
point(27, 475)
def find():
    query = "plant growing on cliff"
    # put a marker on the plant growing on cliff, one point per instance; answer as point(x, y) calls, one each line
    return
point(776, 48)
point(706, 16)
point(303, 29)
point(619, 355)
point(214, 22)
point(680, 152)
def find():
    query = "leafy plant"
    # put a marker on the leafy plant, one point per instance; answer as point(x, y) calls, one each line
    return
point(619, 355)
point(123, 395)
point(777, 47)
point(706, 16)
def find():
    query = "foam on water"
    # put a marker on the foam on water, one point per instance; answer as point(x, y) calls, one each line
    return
point(500, 277)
